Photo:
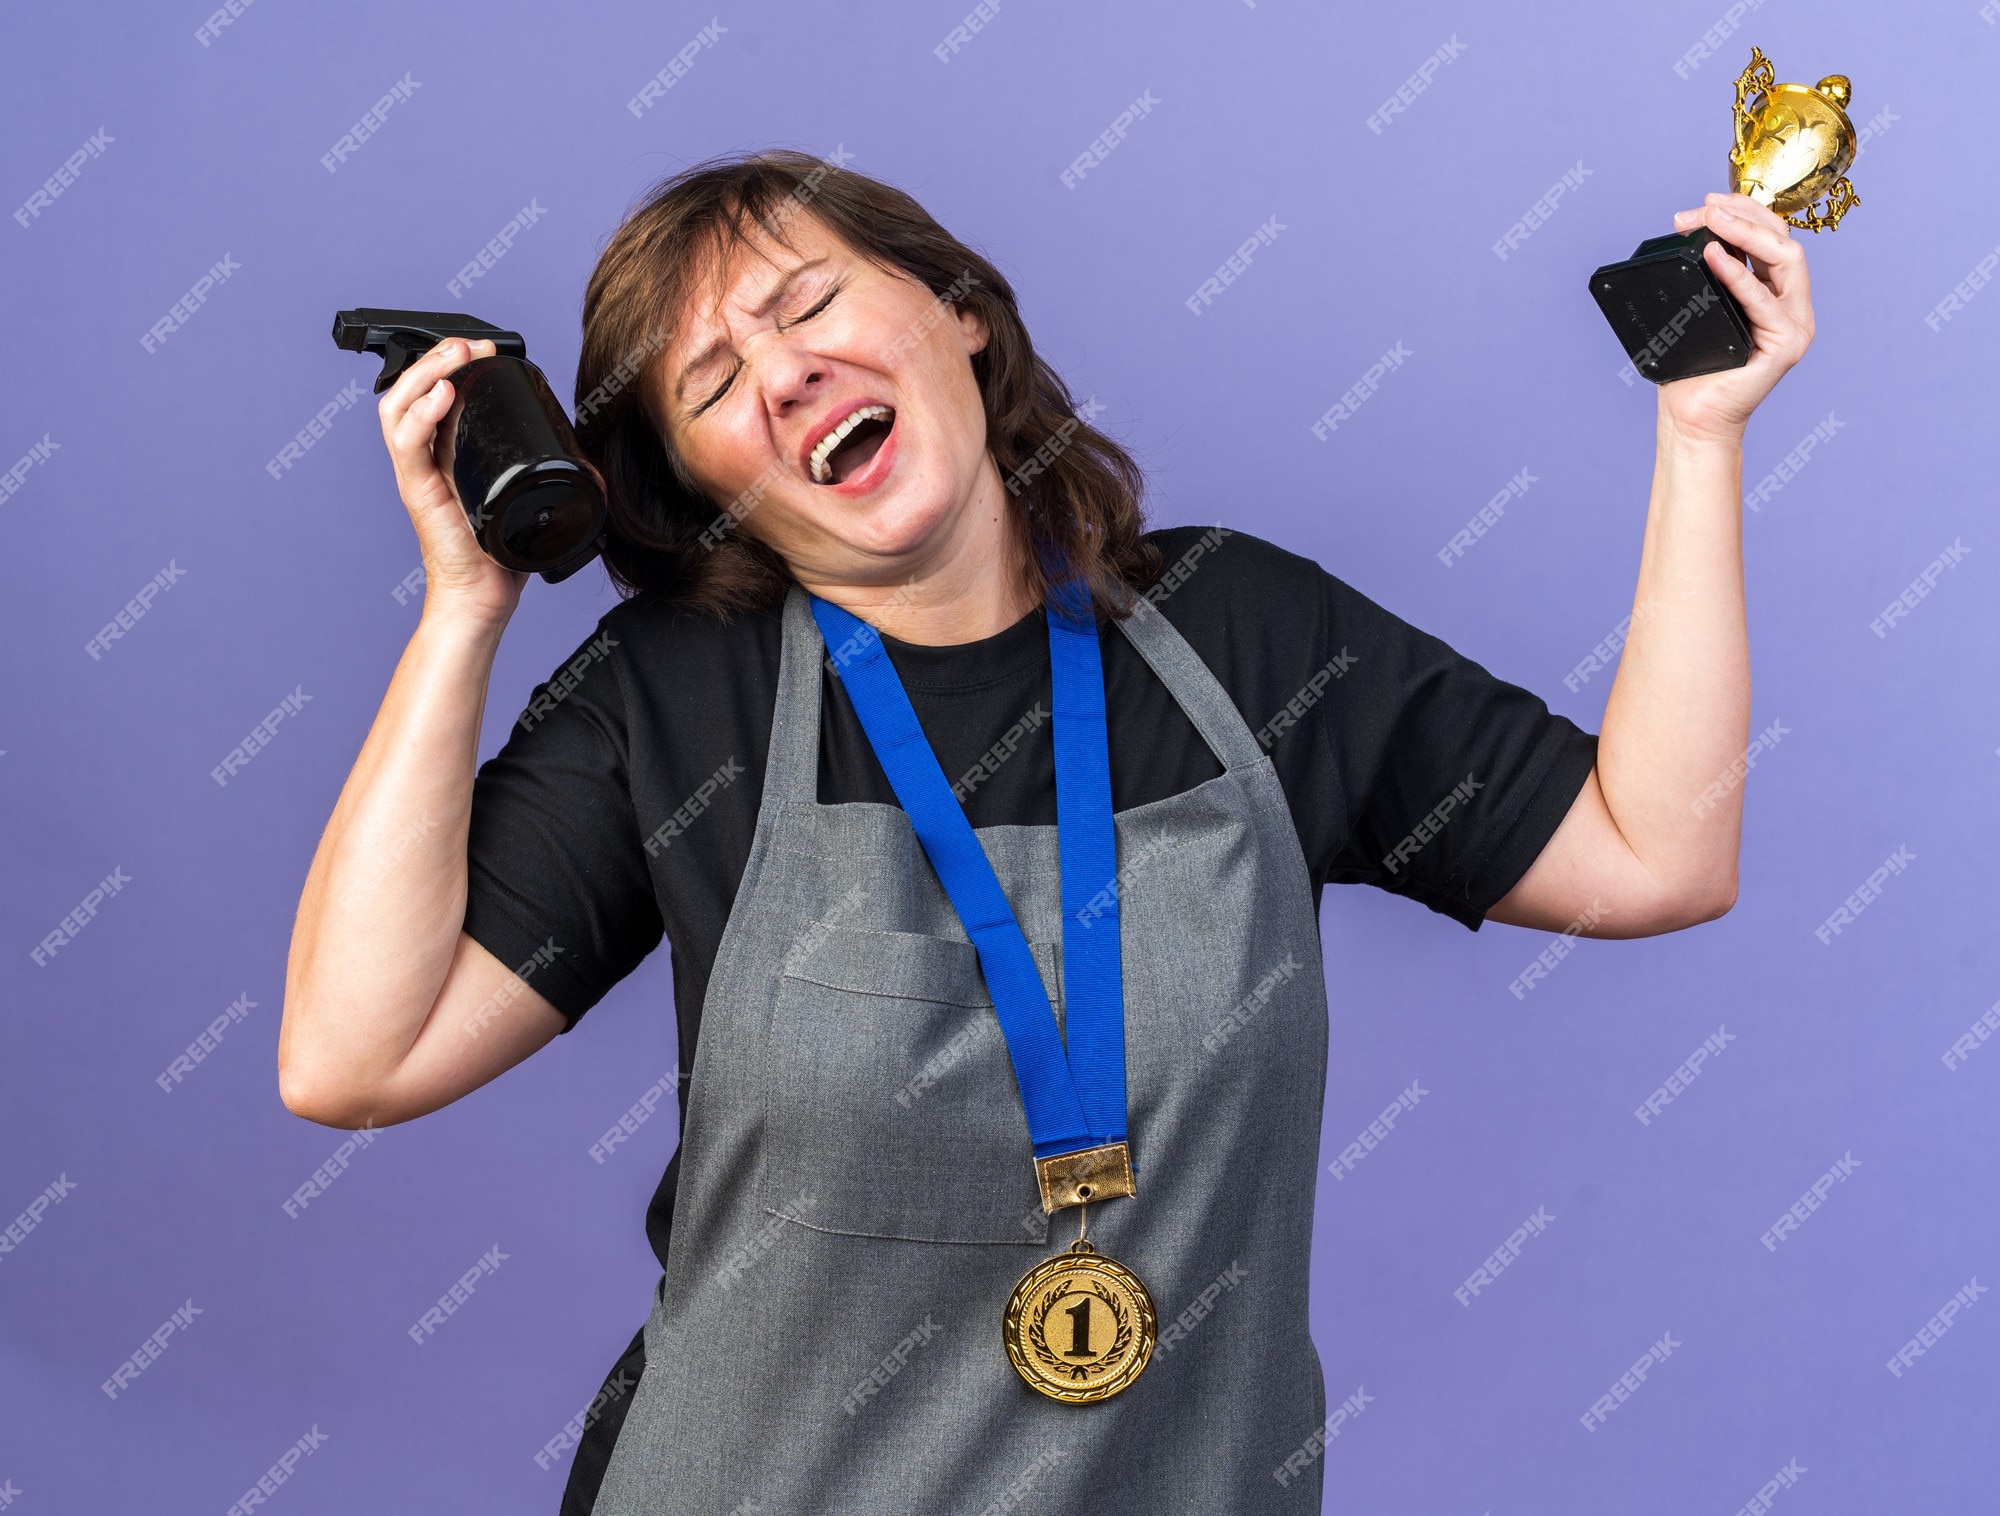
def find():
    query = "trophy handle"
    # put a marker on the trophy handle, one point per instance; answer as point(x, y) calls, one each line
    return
point(1757, 79)
point(1839, 201)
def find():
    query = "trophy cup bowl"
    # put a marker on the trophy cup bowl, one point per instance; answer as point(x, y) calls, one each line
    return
point(1793, 145)
point(1792, 149)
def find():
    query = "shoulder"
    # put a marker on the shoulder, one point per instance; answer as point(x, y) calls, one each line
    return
point(647, 618)
point(1217, 584)
point(1228, 561)
point(645, 660)
point(1253, 612)
point(1220, 566)
point(664, 648)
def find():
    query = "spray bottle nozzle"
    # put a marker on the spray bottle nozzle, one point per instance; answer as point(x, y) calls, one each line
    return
point(400, 338)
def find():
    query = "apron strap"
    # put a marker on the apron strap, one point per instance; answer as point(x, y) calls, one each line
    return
point(792, 771)
point(1207, 704)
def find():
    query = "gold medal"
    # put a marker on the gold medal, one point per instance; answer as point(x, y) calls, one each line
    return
point(1079, 1327)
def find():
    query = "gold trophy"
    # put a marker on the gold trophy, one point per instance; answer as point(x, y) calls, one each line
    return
point(1792, 151)
point(1795, 146)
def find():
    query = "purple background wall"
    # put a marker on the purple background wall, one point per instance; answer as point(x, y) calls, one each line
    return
point(287, 584)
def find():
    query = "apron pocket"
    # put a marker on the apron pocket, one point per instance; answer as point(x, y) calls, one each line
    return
point(891, 1105)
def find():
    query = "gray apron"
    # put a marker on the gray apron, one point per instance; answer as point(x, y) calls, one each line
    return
point(857, 1190)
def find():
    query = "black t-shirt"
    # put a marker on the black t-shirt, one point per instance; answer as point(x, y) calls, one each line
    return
point(622, 806)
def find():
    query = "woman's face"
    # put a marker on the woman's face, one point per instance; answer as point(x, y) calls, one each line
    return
point(756, 385)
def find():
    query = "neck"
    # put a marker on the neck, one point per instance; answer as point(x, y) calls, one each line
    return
point(966, 586)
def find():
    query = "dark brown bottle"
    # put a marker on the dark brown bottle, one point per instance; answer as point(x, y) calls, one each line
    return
point(533, 500)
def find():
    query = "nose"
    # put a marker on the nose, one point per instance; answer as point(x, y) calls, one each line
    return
point(789, 376)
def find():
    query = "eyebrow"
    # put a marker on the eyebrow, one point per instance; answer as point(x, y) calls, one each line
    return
point(771, 297)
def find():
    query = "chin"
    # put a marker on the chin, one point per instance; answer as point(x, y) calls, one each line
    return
point(906, 518)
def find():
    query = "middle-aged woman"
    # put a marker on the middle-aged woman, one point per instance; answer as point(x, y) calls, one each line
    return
point(988, 832)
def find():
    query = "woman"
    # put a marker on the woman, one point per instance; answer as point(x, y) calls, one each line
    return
point(827, 438)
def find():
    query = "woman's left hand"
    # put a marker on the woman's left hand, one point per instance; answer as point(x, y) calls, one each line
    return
point(1776, 296)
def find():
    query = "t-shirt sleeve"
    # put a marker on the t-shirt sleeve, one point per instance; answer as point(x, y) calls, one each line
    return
point(1454, 779)
point(557, 886)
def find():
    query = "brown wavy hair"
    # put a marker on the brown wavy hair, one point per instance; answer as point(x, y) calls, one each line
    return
point(1075, 492)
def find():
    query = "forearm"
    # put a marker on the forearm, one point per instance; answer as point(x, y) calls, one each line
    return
point(384, 901)
point(1679, 710)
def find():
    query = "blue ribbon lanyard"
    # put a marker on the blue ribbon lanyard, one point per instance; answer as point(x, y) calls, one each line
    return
point(1074, 1099)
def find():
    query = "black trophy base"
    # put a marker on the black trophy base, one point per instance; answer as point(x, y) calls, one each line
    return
point(1671, 313)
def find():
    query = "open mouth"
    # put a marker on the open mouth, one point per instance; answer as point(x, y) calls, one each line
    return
point(851, 446)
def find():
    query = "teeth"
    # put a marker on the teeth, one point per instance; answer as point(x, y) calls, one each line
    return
point(821, 474)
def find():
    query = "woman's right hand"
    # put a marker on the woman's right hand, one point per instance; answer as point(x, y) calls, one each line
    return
point(458, 575)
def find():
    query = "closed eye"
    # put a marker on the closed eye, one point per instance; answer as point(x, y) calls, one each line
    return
point(823, 302)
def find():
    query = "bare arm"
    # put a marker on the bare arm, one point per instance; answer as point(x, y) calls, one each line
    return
point(1644, 849)
point(390, 1009)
